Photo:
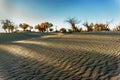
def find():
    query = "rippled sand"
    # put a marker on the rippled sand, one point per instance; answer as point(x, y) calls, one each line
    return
point(57, 56)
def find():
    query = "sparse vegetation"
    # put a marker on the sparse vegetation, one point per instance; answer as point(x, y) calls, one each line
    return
point(89, 26)
point(43, 26)
point(73, 21)
point(63, 30)
point(7, 25)
point(80, 29)
point(101, 27)
point(51, 29)
point(24, 26)
point(117, 27)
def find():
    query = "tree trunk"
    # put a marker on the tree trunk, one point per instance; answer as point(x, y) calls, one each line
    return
point(5, 30)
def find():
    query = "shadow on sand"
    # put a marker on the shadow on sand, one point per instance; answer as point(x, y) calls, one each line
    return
point(49, 62)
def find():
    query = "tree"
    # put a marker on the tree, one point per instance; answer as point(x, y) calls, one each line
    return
point(73, 21)
point(43, 26)
point(80, 29)
point(101, 27)
point(16, 29)
point(40, 28)
point(24, 26)
point(63, 30)
point(7, 25)
point(46, 25)
point(51, 29)
point(117, 28)
point(107, 24)
point(30, 28)
point(88, 26)
point(11, 28)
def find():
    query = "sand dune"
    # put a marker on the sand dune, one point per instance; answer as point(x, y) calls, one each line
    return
point(57, 56)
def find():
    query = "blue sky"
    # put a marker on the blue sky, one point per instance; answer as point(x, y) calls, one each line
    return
point(57, 11)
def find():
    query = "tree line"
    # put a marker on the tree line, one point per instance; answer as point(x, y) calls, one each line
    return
point(90, 26)
point(9, 26)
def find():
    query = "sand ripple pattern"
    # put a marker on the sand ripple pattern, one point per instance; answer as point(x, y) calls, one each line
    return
point(78, 56)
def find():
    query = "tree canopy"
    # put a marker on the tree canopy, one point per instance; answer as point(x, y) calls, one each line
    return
point(73, 21)
point(24, 26)
point(43, 26)
point(7, 25)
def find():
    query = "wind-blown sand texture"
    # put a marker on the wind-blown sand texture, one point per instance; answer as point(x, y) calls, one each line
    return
point(57, 56)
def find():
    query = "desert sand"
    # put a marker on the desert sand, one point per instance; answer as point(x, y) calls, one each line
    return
point(58, 56)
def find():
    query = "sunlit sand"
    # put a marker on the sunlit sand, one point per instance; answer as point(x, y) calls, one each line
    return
point(58, 56)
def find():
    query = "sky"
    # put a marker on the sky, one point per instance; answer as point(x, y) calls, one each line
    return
point(35, 12)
